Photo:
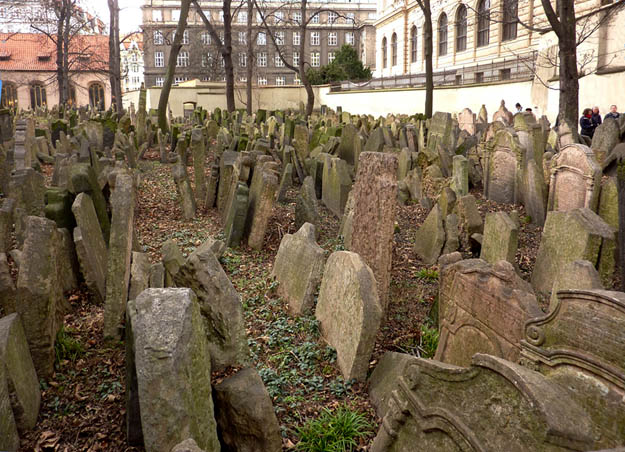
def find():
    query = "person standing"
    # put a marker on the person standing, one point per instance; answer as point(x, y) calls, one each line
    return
point(614, 114)
point(585, 123)
point(596, 117)
point(519, 109)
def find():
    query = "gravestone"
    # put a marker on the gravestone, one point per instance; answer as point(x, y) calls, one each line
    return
point(7, 287)
point(9, 438)
point(346, 149)
point(575, 179)
point(27, 188)
point(183, 188)
point(337, 184)
point(262, 196)
point(82, 179)
point(298, 268)
point(172, 261)
point(605, 138)
point(502, 167)
point(503, 115)
point(501, 238)
point(482, 309)
point(460, 175)
point(576, 275)
point(430, 237)
point(226, 168)
point(220, 306)
point(374, 201)
point(139, 274)
point(349, 312)
point(6, 224)
point(306, 210)
point(467, 121)
point(119, 255)
point(39, 292)
point(234, 226)
point(199, 156)
point(170, 370)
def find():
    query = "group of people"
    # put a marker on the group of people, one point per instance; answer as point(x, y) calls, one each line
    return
point(591, 119)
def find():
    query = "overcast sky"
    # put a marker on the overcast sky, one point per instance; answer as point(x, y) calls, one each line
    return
point(129, 15)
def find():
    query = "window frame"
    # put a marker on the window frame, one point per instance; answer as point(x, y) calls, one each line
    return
point(443, 35)
point(461, 28)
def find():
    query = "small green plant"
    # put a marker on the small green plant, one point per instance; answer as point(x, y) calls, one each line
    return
point(427, 274)
point(429, 341)
point(337, 431)
point(66, 347)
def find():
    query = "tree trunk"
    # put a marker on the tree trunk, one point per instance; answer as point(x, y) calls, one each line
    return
point(310, 103)
point(114, 56)
point(429, 51)
point(620, 238)
point(59, 52)
point(66, 37)
point(227, 56)
point(569, 79)
point(249, 70)
point(171, 66)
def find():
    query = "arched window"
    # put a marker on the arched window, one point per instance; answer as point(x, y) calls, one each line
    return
point(510, 19)
point(394, 49)
point(9, 95)
point(384, 52)
point(413, 44)
point(442, 35)
point(96, 96)
point(483, 22)
point(461, 28)
point(38, 96)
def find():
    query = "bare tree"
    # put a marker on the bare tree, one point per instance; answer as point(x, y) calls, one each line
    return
point(114, 56)
point(171, 65)
point(429, 71)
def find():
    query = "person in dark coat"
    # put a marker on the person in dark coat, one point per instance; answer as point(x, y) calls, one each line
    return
point(614, 114)
point(585, 123)
point(596, 117)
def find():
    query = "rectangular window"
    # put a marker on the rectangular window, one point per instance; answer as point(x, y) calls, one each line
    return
point(206, 38)
point(332, 16)
point(221, 16)
point(135, 68)
point(296, 79)
point(479, 77)
point(222, 62)
point(350, 18)
point(243, 79)
point(510, 19)
point(242, 59)
point(315, 59)
point(349, 38)
point(185, 37)
point(175, 15)
point(504, 74)
point(295, 58)
point(158, 38)
point(297, 17)
point(206, 59)
point(159, 59)
point(314, 19)
point(160, 81)
point(331, 57)
point(262, 59)
point(180, 79)
point(157, 15)
point(278, 60)
point(183, 59)
point(242, 17)
point(280, 80)
point(315, 38)
point(459, 79)
point(242, 37)
point(333, 39)
point(296, 36)
point(279, 38)
point(262, 81)
point(261, 40)
point(279, 16)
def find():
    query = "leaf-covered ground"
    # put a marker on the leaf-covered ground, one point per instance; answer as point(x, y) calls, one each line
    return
point(83, 406)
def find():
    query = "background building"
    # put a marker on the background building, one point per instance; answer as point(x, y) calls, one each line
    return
point(336, 24)
point(131, 54)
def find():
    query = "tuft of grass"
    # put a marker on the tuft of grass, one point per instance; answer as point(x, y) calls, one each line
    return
point(337, 431)
point(66, 347)
point(427, 274)
point(429, 341)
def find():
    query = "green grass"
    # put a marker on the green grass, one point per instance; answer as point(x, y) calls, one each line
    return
point(336, 431)
point(429, 341)
point(427, 274)
point(66, 347)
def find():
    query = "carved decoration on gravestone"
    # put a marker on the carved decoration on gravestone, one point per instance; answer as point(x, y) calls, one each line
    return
point(575, 179)
point(503, 165)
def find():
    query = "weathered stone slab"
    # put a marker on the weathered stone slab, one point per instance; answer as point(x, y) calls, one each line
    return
point(430, 237)
point(383, 380)
point(221, 308)
point(501, 238)
point(337, 184)
point(22, 382)
point(172, 260)
point(226, 168)
point(460, 175)
point(27, 188)
point(605, 138)
point(503, 158)
point(260, 207)
point(349, 312)
point(7, 287)
point(172, 369)
point(139, 274)
point(39, 292)
point(569, 236)
point(245, 415)
point(577, 275)
point(306, 205)
point(120, 254)
point(9, 438)
point(84, 180)
point(482, 309)
point(298, 268)
point(375, 198)
point(183, 188)
point(157, 276)
point(67, 261)
point(199, 157)
point(234, 226)
point(469, 219)
point(575, 179)
point(6, 224)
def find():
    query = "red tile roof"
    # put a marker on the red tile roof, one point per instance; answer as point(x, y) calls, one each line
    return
point(36, 52)
point(138, 37)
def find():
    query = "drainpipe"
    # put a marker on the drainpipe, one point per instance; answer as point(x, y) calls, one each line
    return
point(405, 36)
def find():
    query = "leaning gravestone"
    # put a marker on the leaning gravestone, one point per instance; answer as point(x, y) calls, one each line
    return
point(298, 268)
point(119, 256)
point(375, 198)
point(349, 312)
point(220, 306)
point(23, 385)
point(27, 188)
point(501, 238)
point(337, 184)
point(183, 187)
point(172, 367)
point(9, 438)
point(430, 237)
point(39, 292)
point(578, 234)
point(482, 309)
